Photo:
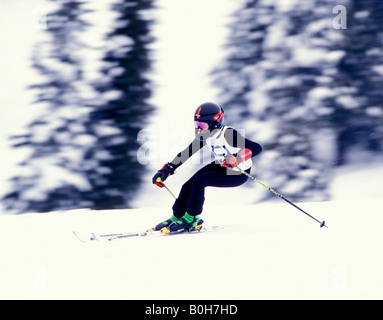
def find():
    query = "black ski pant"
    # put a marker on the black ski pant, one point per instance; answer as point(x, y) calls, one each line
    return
point(192, 194)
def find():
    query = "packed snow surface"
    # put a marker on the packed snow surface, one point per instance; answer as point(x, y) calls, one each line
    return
point(266, 251)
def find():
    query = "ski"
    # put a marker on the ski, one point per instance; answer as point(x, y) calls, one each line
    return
point(148, 233)
point(152, 232)
point(111, 236)
point(115, 236)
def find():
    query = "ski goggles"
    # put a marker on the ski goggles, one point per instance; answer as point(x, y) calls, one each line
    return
point(201, 125)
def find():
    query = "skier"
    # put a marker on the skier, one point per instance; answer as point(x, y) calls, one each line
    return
point(230, 150)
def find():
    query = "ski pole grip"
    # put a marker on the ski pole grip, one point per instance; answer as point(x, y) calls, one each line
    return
point(160, 183)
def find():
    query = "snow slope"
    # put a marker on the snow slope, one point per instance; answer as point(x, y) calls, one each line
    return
point(266, 251)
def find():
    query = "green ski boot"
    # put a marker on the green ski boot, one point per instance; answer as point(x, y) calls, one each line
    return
point(165, 223)
point(187, 223)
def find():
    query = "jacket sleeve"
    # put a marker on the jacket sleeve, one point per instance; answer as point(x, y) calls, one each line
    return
point(235, 139)
point(184, 155)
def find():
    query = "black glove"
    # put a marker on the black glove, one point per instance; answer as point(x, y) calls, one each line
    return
point(162, 174)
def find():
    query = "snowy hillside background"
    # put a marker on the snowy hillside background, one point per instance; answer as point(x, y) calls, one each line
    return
point(309, 93)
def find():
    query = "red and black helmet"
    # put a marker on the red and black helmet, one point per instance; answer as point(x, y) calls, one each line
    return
point(211, 113)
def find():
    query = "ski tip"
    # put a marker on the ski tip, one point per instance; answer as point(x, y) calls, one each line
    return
point(77, 236)
point(94, 237)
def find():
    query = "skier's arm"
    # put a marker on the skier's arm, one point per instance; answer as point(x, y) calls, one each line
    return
point(169, 168)
point(248, 148)
point(236, 140)
point(184, 155)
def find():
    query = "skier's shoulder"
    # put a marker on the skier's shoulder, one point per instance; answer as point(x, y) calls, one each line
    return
point(230, 132)
point(237, 138)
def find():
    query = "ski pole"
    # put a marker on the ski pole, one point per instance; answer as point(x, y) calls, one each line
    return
point(322, 223)
point(160, 181)
point(170, 192)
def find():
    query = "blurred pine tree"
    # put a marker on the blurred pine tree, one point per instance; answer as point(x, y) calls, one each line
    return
point(51, 178)
point(82, 145)
point(306, 91)
point(124, 110)
point(358, 107)
point(270, 71)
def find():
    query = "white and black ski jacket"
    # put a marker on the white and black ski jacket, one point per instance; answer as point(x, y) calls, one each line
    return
point(225, 140)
